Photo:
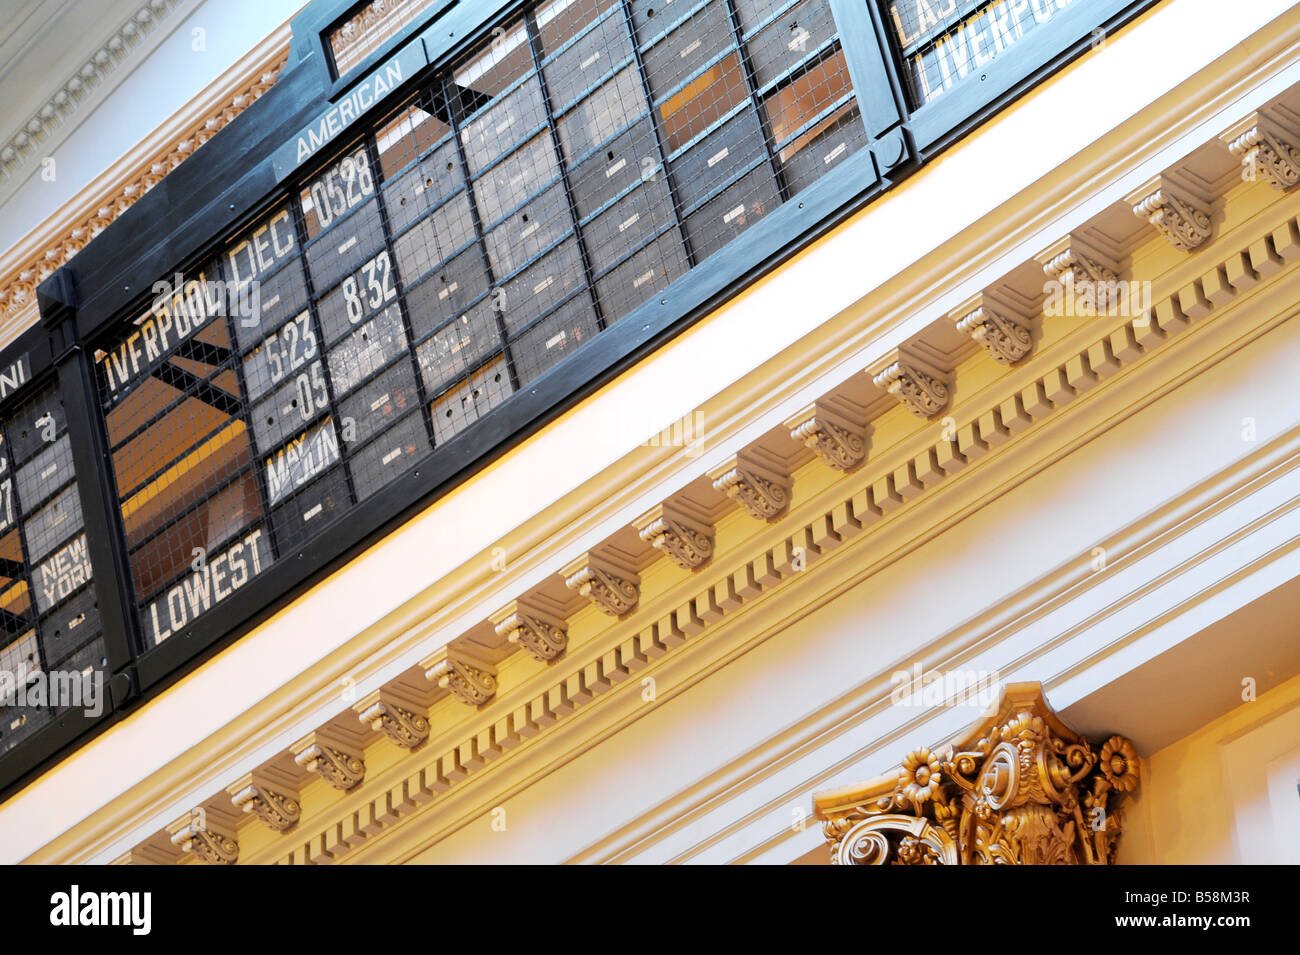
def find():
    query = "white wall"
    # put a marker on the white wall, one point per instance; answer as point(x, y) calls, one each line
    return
point(1226, 793)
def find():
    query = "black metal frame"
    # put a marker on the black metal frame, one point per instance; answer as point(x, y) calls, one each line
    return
point(237, 177)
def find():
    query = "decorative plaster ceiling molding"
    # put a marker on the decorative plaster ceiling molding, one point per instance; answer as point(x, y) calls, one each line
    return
point(524, 714)
point(67, 232)
point(21, 149)
point(1267, 144)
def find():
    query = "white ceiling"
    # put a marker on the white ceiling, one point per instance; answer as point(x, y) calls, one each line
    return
point(43, 43)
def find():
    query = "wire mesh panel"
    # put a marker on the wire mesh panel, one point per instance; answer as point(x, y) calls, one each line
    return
point(583, 157)
point(50, 634)
point(589, 155)
point(184, 456)
point(943, 43)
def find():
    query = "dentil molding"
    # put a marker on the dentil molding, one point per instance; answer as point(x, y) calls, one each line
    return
point(868, 499)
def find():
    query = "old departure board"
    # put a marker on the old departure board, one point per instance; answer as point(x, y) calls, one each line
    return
point(49, 618)
point(946, 42)
point(549, 183)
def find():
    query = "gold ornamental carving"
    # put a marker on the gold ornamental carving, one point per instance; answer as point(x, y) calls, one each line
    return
point(1020, 788)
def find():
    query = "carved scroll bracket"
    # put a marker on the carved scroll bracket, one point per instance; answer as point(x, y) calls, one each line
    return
point(467, 674)
point(538, 629)
point(1266, 150)
point(997, 326)
point(681, 532)
point(208, 834)
point(610, 583)
point(1177, 212)
point(337, 760)
point(836, 433)
point(270, 796)
point(918, 385)
point(403, 720)
point(761, 488)
point(1079, 270)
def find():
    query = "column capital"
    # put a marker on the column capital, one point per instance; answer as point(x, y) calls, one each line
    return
point(1018, 788)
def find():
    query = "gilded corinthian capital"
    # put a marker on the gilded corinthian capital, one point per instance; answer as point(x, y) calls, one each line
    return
point(1019, 788)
